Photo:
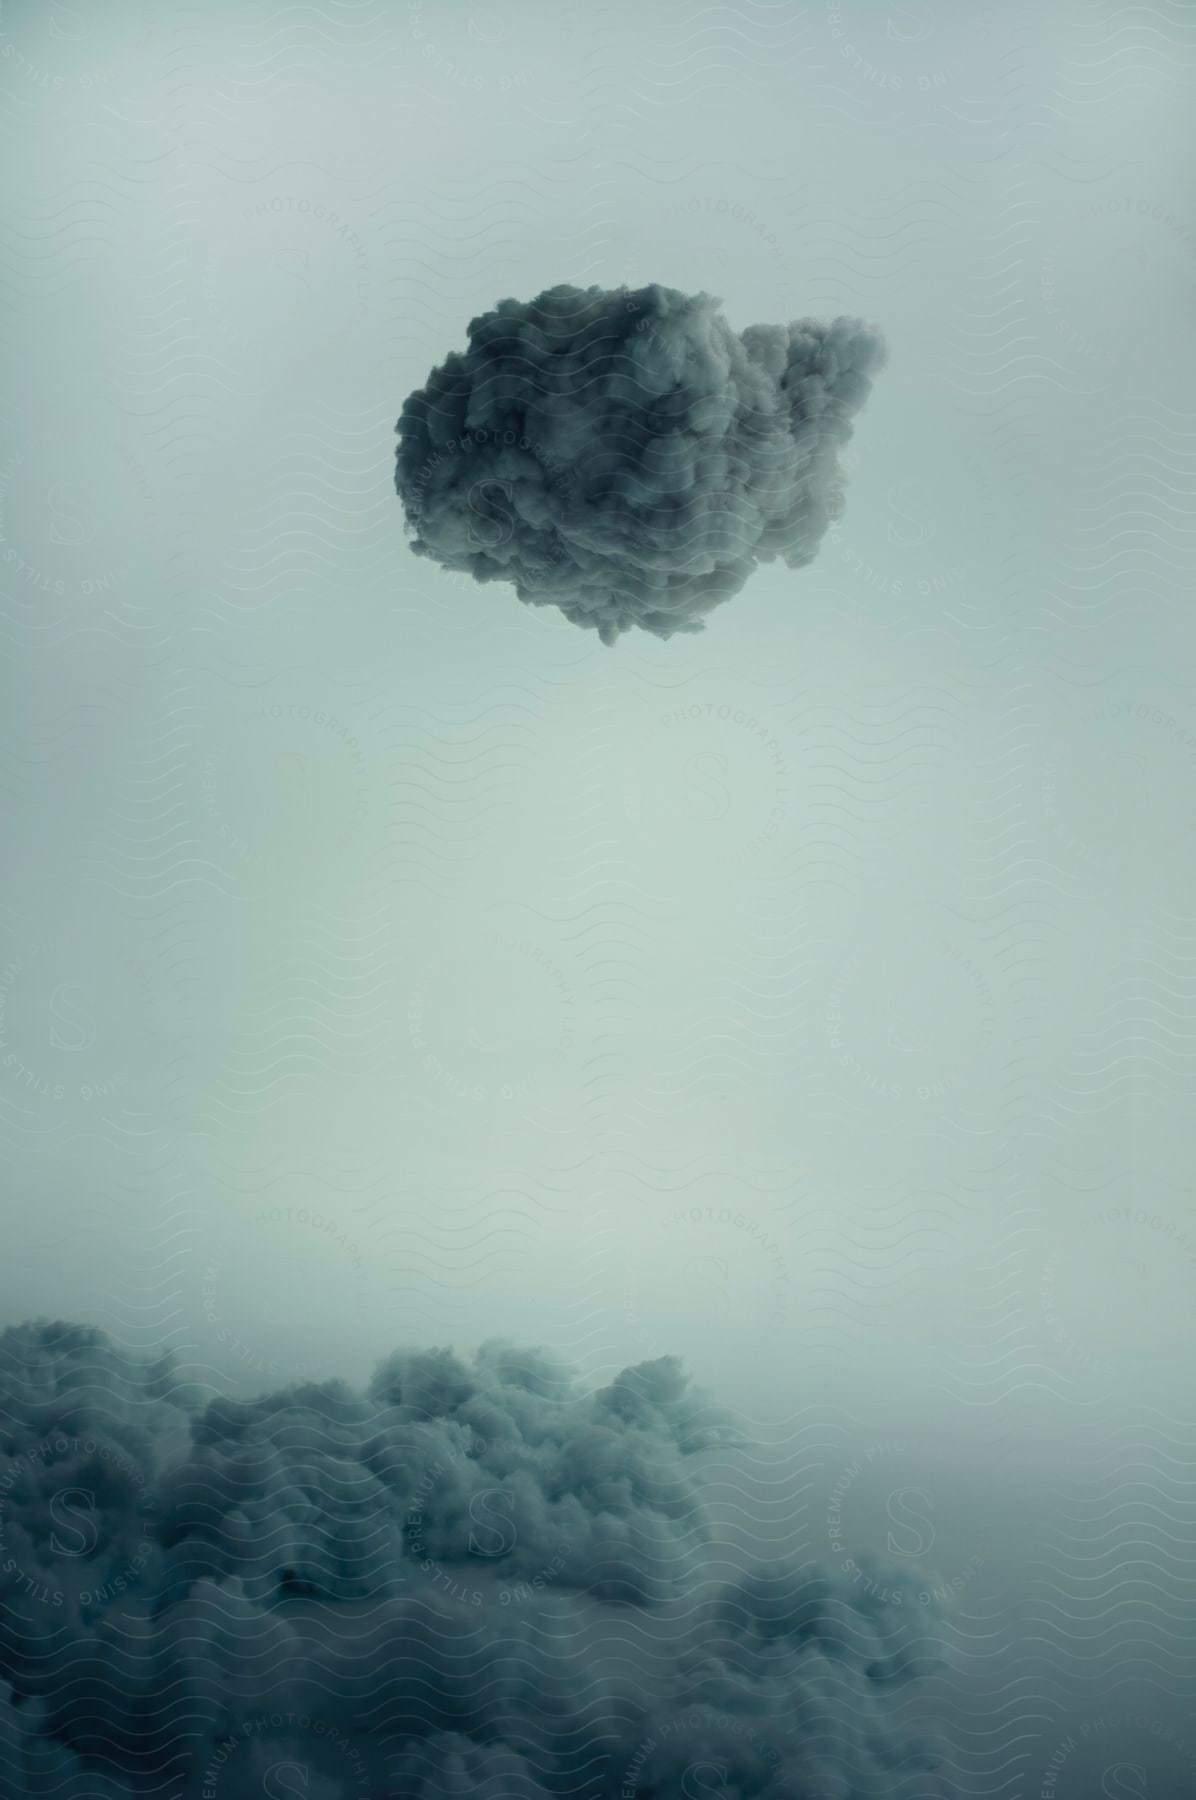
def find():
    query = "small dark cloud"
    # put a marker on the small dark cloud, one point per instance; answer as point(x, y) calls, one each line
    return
point(473, 1579)
point(626, 456)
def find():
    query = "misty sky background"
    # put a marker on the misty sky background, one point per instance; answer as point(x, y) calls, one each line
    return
point(385, 961)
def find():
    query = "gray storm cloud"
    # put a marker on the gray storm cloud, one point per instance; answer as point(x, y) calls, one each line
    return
point(626, 456)
point(473, 1579)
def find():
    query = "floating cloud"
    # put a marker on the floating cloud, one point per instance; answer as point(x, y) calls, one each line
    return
point(473, 1579)
point(628, 457)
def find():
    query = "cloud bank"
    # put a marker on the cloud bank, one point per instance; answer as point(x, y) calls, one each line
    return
point(626, 456)
point(472, 1579)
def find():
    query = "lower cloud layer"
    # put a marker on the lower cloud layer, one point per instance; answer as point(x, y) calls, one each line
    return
point(474, 1578)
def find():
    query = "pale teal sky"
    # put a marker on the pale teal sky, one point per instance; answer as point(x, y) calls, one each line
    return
point(384, 960)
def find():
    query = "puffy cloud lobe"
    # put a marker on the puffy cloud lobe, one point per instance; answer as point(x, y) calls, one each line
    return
point(318, 1604)
point(84, 1433)
point(321, 1492)
point(796, 1678)
point(448, 1766)
point(626, 456)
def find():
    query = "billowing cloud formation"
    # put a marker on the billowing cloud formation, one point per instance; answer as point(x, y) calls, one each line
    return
point(625, 455)
point(473, 1579)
